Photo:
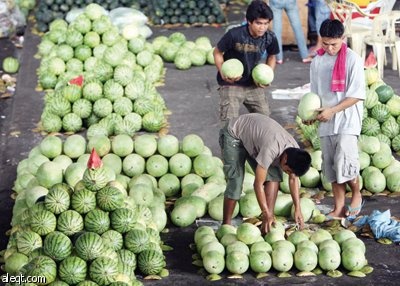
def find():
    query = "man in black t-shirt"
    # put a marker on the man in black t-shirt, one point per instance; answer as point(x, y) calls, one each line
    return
point(249, 43)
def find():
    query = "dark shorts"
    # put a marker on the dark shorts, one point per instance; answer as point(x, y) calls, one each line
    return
point(234, 156)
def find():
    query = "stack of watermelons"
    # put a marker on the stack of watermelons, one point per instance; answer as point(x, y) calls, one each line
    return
point(185, 12)
point(49, 10)
point(78, 217)
point(113, 79)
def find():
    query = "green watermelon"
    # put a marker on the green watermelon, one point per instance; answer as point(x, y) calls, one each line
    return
point(123, 219)
point(385, 92)
point(72, 270)
point(109, 198)
point(43, 222)
point(150, 262)
point(28, 241)
point(57, 246)
point(41, 266)
point(83, 201)
point(97, 221)
point(89, 246)
point(57, 201)
point(136, 240)
point(70, 222)
point(103, 271)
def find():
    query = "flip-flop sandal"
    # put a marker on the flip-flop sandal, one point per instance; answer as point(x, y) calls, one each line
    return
point(350, 209)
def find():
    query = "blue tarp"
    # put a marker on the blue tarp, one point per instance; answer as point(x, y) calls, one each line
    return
point(381, 225)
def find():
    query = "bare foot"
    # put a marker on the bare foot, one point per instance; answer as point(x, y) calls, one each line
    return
point(337, 214)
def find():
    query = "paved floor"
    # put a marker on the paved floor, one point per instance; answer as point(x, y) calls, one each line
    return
point(192, 99)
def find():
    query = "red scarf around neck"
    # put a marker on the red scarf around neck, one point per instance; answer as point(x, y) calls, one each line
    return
point(339, 70)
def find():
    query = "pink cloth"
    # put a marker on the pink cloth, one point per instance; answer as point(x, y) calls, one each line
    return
point(339, 70)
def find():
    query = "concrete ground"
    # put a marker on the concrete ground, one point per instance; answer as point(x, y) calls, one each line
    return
point(192, 99)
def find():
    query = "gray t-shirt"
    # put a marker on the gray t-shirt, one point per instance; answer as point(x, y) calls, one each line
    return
point(348, 121)
point(262, 137)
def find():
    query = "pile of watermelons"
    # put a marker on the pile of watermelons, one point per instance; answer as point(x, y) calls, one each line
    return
point(185, 12)
point(49, 10)
point(96, 216)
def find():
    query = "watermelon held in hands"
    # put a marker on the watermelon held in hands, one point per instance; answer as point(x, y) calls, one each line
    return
point(308, 105)
point(77, 81)
point(232, 68)
point(262, 74)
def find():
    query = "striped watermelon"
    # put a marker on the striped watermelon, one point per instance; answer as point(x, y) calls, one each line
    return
point(97, 221)
point(103, 271)
point(27, 241)
point(57, 246)
point(41, 266)
point(70, 222)
point(150, 262)
point(390, 128)
point(127, 257)
point(72, 270)
point(43, 222)
point(62, 186)
point(57, 200)
point(371, 99)
point(109, 198)
point(396, 143)
point(123, 220)
point(89, 246)
point(35, 253)
point(383, 138)
point(95, 179)
point(112, 239)
point(136, 240)
point(370, 126)
point(127, 263)
point(55, 283)
point(87, 283)
point(380, 112)
point(83, 201)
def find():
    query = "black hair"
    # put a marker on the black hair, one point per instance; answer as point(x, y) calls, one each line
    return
point(298, 160)
point(258, 9)
point(331, 29)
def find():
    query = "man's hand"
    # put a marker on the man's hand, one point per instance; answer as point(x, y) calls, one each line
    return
point(268, 220)
point(298, 218)
point(261, 85)
point(325, 114)
point(230, 80)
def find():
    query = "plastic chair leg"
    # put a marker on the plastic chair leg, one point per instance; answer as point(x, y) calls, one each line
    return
point(397, 45)
point(357, 42)
point(379, 50)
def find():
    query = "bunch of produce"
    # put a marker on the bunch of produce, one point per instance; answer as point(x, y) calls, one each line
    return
point(237, 250)
point(50, 10)
point(75, 222)
point(93, 76)
point(185, 12)
point(184, 53)
point(107, 210)
point(25, 6)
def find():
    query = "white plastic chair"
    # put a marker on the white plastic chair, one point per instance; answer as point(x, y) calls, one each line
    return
point(356, 29)
point(384, 36)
